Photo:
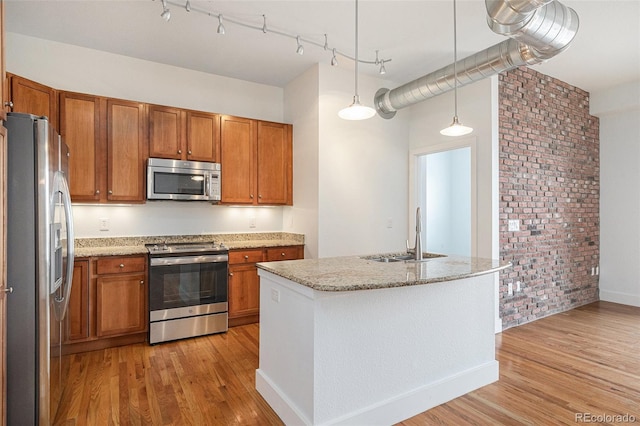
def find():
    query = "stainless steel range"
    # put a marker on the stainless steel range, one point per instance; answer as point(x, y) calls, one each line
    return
point(187, 290)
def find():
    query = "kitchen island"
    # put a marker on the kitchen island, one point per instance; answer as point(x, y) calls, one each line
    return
point(353, 340)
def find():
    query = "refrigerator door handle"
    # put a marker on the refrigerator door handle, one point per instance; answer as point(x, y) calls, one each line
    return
point(62, 302)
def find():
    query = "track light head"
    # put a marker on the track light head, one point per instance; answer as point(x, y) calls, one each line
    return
point(334, 59)
point(187, 6)
point(221, 30)
point(300, 49)
point(166, 13)
point(383, 70)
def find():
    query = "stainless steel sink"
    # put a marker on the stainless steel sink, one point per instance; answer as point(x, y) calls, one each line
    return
point(388, 258)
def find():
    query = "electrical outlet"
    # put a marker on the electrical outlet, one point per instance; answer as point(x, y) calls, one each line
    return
point(104, 223)
point(517, 286)
point(510, 289)
point(514, 225)
point(252, 222)
point(275, 295)
point(389, 222)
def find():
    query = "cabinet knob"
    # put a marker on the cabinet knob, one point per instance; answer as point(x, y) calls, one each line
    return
point(189, 152)
point(122, 265)
point(9, 104)
point(8, 290)
point(141, 282)
point(230, 274)
point(251, 196)
point(97, 192)
point(259, 196)
point(246, 257)
point(179, 151)
point(110, 192)
point(282, 254)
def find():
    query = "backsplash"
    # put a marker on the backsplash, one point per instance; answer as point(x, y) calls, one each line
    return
point(550, 189)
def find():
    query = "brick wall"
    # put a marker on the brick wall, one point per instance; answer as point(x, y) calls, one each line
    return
point(550, 183)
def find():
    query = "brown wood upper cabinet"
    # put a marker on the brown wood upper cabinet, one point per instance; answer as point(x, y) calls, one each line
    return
point(33, 98)
point(81, 117)
point(183, 135)
point(108, 146)
point(256, 159)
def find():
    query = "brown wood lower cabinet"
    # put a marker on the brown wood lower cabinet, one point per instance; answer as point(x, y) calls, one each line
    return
point(244, 283)
point(108, 303)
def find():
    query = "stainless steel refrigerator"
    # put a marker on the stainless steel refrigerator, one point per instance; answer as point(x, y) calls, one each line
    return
point(40, 251)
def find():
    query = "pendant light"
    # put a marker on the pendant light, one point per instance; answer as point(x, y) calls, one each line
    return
point(455, 128)
point(356, 111)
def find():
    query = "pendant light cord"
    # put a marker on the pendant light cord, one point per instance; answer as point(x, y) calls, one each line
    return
point(455, 61)
point(356, 56)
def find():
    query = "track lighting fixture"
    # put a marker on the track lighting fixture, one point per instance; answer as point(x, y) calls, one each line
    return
point(221, 30)
point(383, 70)
point(300, 49)
point(356, 111)
point(455, 128)
point(166, 13)
point(188, 7)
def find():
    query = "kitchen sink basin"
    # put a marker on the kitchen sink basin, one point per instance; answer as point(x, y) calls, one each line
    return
point(388, 258)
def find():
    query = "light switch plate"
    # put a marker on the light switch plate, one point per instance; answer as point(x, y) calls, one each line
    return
point(514, 225)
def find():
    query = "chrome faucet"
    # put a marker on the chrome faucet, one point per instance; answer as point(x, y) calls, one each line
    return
point(416, 251)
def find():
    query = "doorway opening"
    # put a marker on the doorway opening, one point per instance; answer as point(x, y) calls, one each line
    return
point(445, 192)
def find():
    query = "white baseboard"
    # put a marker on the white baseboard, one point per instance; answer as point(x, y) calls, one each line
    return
point(618, 297)
point(390, 411)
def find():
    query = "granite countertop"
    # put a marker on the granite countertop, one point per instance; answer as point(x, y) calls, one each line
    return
point(122, 246)
point(362, 273)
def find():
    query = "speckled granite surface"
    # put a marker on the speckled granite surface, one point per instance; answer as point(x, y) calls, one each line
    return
point(120, 246)
point(362, 273)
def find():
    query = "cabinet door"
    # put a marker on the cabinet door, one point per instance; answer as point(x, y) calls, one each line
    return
point(238, 159)
point(77, 319)
point(80, 118)
point(244, 290)
point(4, 87)
point(33, 98)
point(120, 304)
point(203, 136)
point(127, 151)
point(274, 163)
point(165, 132)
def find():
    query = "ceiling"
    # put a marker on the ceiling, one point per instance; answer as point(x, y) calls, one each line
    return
point(416, 35)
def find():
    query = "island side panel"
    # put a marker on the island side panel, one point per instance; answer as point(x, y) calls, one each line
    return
point(285, 374)
point(384, 355)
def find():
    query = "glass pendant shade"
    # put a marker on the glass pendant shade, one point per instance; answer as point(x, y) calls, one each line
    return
point(456, 129)
point(356, 111)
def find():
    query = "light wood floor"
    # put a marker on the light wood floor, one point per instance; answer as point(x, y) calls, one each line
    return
point(583, 361)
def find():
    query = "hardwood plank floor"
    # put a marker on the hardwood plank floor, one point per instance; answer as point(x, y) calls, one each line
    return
point(583, 361)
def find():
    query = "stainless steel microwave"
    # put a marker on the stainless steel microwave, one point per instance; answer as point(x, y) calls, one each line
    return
point(182, 180)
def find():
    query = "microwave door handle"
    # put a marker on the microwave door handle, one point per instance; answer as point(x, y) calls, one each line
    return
point(207, 185)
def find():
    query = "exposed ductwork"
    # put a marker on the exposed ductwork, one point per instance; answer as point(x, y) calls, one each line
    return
point(538, 30)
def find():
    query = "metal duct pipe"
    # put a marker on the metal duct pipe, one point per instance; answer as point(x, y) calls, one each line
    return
point(538, 30)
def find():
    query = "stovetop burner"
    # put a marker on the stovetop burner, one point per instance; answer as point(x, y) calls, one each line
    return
point(185, 248)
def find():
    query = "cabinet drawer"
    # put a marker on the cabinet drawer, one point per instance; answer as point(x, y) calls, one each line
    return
point(245, 256)
point(117, 265)
point(282, 253)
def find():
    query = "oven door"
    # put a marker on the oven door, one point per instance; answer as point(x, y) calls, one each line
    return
point(176, 282)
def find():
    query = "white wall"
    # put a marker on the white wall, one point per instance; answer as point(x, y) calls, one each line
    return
point(78, 69)
point(301, 109)
point(363, 171)
point(619, 113)
point(475, 103)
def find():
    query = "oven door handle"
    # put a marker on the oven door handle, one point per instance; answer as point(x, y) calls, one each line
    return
point(206, 258)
